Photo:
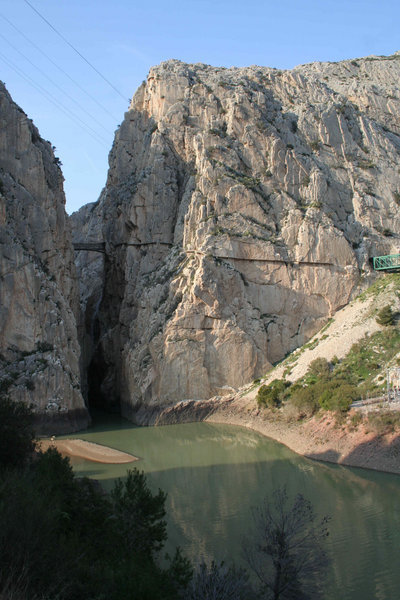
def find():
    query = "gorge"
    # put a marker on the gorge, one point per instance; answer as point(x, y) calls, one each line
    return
point(241, 210)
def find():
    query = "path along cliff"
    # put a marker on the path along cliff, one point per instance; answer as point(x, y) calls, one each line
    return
point(241, 209)
point(240, 212)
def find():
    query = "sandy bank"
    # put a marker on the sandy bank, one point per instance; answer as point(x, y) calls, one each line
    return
point(88, 450)
point(319, 438)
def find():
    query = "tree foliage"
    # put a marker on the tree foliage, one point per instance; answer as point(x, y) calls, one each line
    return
point(16, 432)
point(141, 513)
point(63, 537)
point(285, 551)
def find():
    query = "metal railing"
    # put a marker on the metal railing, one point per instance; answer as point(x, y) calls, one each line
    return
point(390, 261)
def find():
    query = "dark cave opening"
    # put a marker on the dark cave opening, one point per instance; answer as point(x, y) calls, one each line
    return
point(96, 397)
point(98, 369)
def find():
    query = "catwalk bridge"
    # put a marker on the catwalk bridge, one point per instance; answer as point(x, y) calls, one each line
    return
point(390, 262)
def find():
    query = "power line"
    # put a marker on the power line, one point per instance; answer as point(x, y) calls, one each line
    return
point(54, 101)
point(60, 68)
point(55, 84)
point(74, 49)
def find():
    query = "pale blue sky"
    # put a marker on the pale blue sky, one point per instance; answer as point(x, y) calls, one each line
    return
point(124, 38)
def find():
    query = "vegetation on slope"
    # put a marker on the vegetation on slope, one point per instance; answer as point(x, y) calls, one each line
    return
point(335, 384)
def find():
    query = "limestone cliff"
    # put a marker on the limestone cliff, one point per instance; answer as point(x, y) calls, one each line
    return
point(241, 208)
point(39, 301)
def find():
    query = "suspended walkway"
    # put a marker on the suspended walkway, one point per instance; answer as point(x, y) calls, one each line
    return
point(391, 262)
point(92, 247)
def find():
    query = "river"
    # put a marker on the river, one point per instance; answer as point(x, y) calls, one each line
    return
point(214, 474)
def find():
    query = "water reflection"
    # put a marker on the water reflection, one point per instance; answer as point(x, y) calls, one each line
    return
point(214, 474)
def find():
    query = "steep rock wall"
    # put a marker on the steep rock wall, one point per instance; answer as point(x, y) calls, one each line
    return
point(39, 298)
point(240, 211)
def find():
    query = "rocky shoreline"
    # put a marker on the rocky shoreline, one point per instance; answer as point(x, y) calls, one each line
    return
point(319, 438)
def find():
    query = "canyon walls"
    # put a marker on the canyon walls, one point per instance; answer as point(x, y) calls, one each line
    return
point(39, 296)
point(240, 211)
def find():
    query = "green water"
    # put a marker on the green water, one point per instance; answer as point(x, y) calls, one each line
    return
point(214, 474)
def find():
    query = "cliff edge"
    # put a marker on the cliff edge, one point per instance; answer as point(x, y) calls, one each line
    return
point(241, 210)
point(39, 297)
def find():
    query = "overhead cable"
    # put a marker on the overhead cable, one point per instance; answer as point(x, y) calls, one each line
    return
point(75, 50)
point(54, 101)
point(60, 68)
point(56, 85)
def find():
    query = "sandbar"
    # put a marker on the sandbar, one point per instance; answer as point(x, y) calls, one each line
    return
point(88, 451)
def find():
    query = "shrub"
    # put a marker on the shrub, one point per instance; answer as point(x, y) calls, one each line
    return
point(272, 395)
point(219, 131)
point(338, 397)
point(30, 385)
point(319, 367)
point(385, 316)
point(335, 386)
point(355, 419)
point(303, 398)
point(386, 422)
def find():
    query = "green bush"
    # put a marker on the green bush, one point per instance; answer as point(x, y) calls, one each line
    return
point(321, 388)
point(319, 367)
point(385, 316)
point(334, 386)
point(338, 396)
point(303, 398)
point(271, 395)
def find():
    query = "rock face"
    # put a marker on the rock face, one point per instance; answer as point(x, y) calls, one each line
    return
point(39, 301)
point(240, 211)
